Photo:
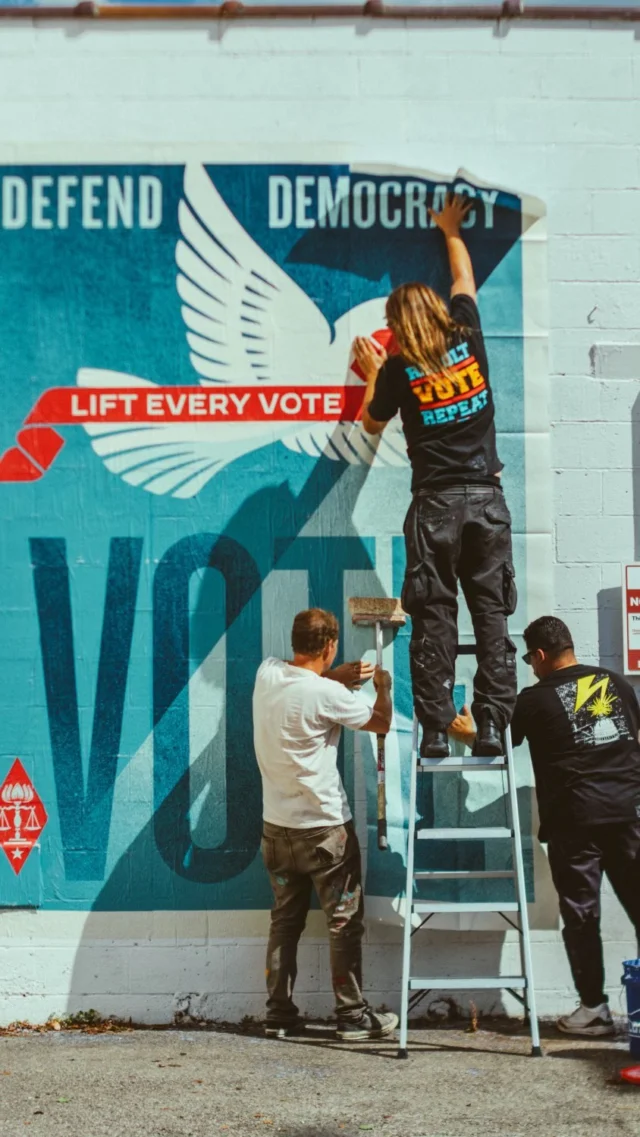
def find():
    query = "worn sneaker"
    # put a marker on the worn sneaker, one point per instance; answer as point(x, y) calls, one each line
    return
point(592, 1021)
point(370, 1025)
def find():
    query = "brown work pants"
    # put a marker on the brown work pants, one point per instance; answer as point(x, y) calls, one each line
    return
point(327, 859)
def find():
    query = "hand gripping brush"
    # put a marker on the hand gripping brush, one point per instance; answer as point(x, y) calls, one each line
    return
point(378, 612)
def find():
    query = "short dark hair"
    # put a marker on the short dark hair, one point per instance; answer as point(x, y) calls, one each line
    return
point(312, 630)
point(550, 634)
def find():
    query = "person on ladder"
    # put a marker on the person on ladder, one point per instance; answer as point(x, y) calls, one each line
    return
point(458, 527)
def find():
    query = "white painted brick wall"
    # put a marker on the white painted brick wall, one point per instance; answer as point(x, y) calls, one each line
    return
point(552, 110)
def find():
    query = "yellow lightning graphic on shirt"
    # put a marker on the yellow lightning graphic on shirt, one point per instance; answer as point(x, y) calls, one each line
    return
point(586, 687)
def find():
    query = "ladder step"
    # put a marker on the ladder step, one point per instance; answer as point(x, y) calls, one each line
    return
point(468, 834)
point(455, 983)
point(465, 906)
point(465, 874)
point(452, 764)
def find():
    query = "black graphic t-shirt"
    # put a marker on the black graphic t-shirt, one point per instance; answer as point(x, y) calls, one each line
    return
point(582, 726)
point(447, 418)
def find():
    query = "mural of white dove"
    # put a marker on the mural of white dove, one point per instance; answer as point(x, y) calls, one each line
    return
point(247, 324)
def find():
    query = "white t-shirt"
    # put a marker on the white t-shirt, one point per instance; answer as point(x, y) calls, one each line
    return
point(297, 716)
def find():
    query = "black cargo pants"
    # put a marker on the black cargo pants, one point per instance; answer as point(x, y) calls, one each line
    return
point(577, 859)
point(460, 533)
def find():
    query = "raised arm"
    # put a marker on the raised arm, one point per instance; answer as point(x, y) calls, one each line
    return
point(449, 220)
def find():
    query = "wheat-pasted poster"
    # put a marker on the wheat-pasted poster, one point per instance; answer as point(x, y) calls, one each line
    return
point(183, 468)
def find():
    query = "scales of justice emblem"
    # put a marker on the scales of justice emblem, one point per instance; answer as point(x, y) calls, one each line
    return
point(22, 816)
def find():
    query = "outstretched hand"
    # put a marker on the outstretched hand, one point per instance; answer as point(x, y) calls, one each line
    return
point(452, 214)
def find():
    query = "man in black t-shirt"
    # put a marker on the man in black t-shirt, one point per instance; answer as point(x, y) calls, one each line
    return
point(582, 725)
point(458, 526)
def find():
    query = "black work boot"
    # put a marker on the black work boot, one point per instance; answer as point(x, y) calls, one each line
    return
point(488, 743)
point(435, 744)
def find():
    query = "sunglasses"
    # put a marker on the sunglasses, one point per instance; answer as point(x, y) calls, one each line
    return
point(528, 655)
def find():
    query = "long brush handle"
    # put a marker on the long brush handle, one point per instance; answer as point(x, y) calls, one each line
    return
point(382, 775)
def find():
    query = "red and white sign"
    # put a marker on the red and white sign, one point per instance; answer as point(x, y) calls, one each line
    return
point(631, 618)
point(22, 816)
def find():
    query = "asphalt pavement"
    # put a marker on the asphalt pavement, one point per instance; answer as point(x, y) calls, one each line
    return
point(235, 1083)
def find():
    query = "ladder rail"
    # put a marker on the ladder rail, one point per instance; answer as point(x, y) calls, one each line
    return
point(521, 892)
point(513, 832)
point(408, 905)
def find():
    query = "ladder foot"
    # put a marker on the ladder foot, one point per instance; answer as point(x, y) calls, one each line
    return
point(536, 1052)
point(403, 1053)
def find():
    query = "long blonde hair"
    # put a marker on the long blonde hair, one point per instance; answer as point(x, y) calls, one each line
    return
point(422, 326)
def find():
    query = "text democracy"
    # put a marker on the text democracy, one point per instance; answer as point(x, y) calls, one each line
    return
point(307, 201)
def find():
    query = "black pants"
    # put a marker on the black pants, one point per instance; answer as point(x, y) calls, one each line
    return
point(577, 859)
point(462, 533)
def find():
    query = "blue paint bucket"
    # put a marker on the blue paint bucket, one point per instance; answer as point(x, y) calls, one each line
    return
point(631, 980)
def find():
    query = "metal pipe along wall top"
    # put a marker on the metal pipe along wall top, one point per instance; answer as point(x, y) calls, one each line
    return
point(372, 9)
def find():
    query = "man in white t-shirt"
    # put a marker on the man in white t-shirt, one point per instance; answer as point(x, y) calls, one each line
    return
point(309, 840)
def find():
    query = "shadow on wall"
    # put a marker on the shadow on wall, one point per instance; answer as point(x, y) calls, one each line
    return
point(172, 865)
point(166, 868)
point(169, 979)
point(610, 637)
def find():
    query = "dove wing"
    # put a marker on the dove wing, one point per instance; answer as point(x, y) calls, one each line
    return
point(247, 321)
point(348, 441)
point(168, 458)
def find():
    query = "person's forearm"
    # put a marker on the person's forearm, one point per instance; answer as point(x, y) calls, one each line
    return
point(369, 393)
point(459, 261)
point(383, 705)
point(370, 424)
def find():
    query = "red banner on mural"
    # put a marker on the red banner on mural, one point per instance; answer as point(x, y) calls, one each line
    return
point(38, 444)
point(69, 406)
point(22, 816)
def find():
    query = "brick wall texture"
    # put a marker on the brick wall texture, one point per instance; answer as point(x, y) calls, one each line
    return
point(550, 110)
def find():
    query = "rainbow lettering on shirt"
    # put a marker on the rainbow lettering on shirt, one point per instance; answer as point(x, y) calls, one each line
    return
point(457, 394)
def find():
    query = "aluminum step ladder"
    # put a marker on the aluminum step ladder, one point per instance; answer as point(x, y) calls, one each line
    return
point(414, 988)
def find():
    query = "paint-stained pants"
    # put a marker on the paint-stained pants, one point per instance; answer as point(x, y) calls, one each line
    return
point(462, 533)
point(577, 859)
point(326, 859)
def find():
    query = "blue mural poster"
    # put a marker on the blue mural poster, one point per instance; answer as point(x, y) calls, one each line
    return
point(181, 468)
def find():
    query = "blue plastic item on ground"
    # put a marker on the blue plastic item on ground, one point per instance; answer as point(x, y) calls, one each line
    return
point(631, 980)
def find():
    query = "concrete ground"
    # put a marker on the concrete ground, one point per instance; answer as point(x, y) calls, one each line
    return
point(205, 1083)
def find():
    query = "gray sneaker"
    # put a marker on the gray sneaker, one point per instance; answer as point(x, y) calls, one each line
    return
point(371, 1025)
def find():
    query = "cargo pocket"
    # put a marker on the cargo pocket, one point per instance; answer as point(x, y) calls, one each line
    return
point(415, 590)
point(497, 512)
point(509, 590)
point(510, 661)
